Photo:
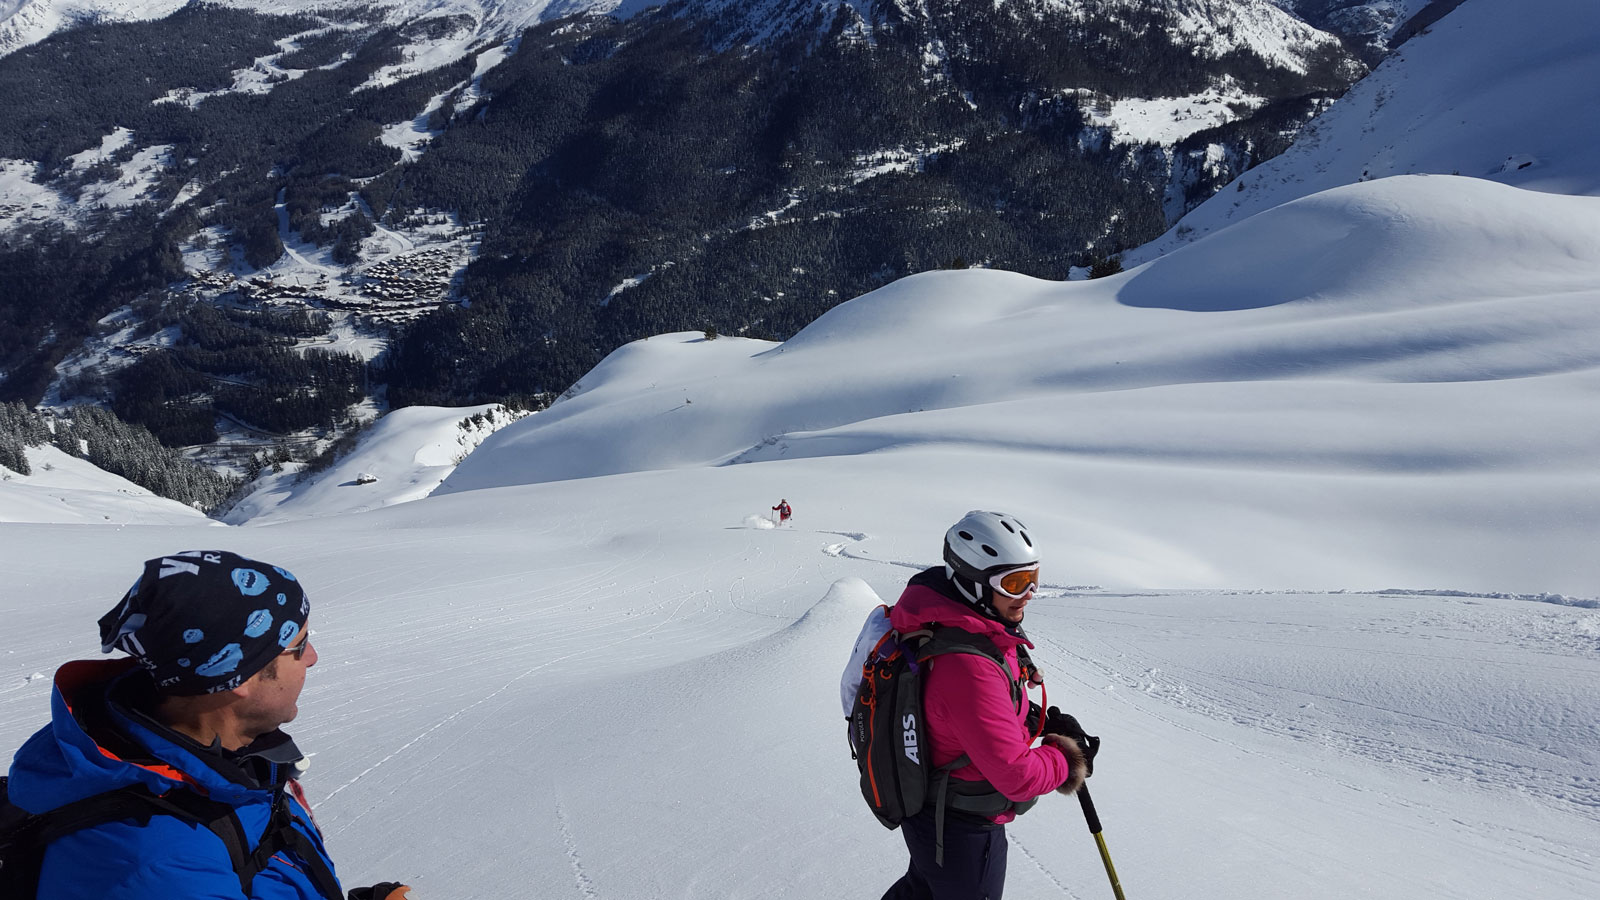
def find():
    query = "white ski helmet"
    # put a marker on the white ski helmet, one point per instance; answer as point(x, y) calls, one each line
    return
point(982, 544)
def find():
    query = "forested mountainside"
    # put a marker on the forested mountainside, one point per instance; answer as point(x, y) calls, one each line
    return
point(1369, 27)
point(596, 180)
point(226, 158)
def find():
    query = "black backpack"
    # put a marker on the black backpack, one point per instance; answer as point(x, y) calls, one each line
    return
point(888, 731)
point(24, 836)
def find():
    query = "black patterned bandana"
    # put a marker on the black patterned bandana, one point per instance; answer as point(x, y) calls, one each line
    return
point(203, 621)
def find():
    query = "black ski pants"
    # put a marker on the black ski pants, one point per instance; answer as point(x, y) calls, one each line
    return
point(974, 861)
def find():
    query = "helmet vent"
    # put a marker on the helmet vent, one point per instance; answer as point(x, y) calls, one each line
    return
point(983, 542)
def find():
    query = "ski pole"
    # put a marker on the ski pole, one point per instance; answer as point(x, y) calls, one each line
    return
point(1093, 818)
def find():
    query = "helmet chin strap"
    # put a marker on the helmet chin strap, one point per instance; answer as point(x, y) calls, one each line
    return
point(979, 597)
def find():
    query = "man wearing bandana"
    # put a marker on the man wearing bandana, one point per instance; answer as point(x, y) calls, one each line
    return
point(189, 726)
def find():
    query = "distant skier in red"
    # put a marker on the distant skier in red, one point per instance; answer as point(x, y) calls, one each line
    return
point(783, 511)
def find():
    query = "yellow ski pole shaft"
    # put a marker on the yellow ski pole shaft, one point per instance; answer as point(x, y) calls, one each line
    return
point(1093, 818)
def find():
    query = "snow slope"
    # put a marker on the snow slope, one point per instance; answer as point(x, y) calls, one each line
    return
point(1402, 372)
point(607, 688)
point(1225, 26)
point(68, 490)
point(24, 22)
point(1216, 26)
point(1506, 90)
point(591, 675)
point(1220, 26)
point(409, 451)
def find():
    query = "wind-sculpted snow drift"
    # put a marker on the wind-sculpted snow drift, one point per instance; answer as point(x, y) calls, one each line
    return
point(1386, 293)
point(1401, 367)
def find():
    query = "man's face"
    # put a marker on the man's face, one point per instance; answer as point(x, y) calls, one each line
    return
point(271, 694)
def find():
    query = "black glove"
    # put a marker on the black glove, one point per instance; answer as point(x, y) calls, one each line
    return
point(386, 890)
point(1058, 722)
point(1035, 715)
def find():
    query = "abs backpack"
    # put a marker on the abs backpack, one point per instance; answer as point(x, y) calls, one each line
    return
point(888, 730)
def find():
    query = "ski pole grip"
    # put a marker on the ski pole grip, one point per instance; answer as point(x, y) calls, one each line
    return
point(1089, 813)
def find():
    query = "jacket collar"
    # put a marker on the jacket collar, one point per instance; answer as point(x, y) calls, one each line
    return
point(98, 742)
point(266, 763)
point(930, 599)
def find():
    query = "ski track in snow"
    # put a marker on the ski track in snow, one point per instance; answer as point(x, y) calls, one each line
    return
point(468, 585)
point(1240, 701)
point(585, 885)
point(1431, 765)
point(842, 551)
point(1014, 841)
point(588, 638)
point(435, 727)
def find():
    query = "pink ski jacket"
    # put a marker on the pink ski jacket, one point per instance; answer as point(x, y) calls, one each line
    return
point(968, 702)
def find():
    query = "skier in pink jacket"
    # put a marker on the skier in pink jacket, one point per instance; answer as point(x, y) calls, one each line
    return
point(991, 571)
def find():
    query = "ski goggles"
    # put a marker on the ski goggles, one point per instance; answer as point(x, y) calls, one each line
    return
point(1016, 583)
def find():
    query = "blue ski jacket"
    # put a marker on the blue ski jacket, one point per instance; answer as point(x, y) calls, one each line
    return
point(95, 744)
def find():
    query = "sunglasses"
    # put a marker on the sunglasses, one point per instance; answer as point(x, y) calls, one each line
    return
point(298, 651)
point(1016, 583)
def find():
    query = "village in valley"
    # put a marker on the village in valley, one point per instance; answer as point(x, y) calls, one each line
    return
point(391, 291)
point(403, 273)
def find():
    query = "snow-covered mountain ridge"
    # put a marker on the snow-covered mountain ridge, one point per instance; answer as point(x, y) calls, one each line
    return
point(1373, 23)
point(1221, 26)
point(24, 22)
point(1501, 90)
point(1217, 26)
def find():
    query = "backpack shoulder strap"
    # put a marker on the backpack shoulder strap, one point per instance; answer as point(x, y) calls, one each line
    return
point(139, 803)
point(217, 817)
point(282, 835)
point(944, 639)
point(42, 828)
point(32, 833)
point(1025, 660)
point(949, 639)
